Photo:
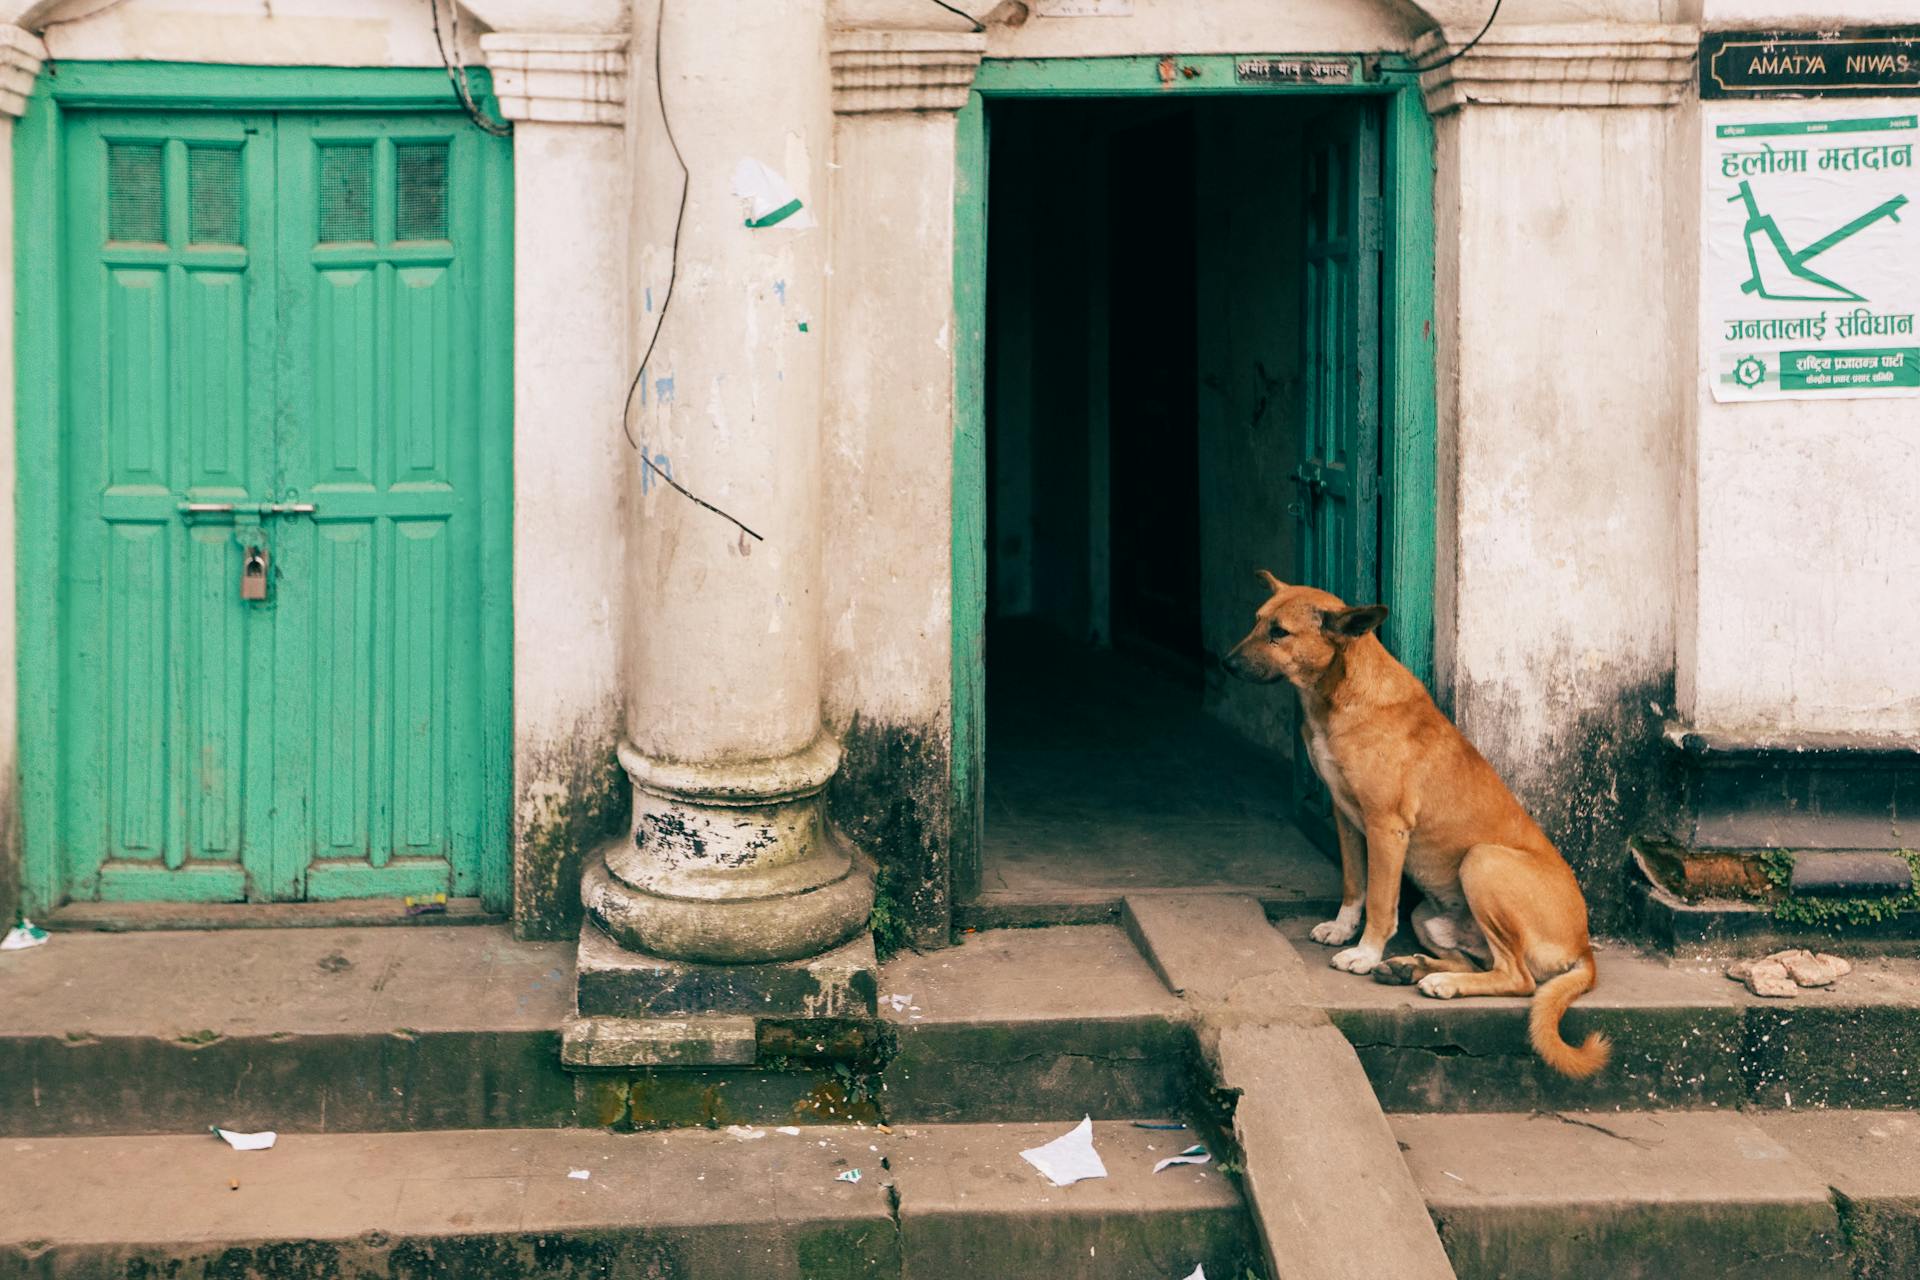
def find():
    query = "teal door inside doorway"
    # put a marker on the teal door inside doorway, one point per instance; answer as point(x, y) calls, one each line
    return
point(276, 358)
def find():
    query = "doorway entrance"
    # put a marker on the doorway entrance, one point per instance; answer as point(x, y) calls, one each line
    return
point(281, 471)
point(1192, 345)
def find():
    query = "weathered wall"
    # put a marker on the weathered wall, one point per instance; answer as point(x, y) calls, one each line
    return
point(1249, 242)
point(1808, 542)
point(344, 33)
point(1163, 26)
point(570, 354)
point(1564, 412)
point(889, 501)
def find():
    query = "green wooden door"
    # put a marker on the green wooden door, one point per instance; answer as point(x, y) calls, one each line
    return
point(1337, 479)
point(271, 352)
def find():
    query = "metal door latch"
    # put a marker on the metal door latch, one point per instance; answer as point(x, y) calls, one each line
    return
point(253, 574)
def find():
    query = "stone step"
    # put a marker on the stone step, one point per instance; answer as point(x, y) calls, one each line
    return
point(1684, 1036)
point(931, 1201)
point(1672, 1195)
point(379, 1029)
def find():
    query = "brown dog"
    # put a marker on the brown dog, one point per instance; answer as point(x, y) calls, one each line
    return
point(1503, 911)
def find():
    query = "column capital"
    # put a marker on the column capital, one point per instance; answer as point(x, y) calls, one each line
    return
point(21, 54)
point(888, 70)
point(558, 78)
point(1601, 64)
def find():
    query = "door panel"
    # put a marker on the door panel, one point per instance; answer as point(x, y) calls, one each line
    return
point(379, 230)
point(1337, 481)
point(168, 281)
point(267, 311)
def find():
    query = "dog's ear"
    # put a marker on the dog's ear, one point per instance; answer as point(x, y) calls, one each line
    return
point(1273, 583)
point(1351, 624)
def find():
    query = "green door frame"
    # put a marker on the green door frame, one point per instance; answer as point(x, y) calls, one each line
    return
point(41, 431)
point(1408, 494)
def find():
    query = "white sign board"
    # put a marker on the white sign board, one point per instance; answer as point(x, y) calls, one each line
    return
point(1810, 254)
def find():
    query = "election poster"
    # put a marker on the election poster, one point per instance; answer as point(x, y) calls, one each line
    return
point(1810, 259)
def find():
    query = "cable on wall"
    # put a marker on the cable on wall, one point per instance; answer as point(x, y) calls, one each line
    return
point(1464, 49)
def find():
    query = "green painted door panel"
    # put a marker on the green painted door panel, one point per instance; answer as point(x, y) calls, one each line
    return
point(1337, 480)
point(276, 309)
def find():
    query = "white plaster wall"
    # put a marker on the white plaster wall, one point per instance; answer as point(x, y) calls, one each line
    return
point(348, 33)
point(570, 353)
point(1563, 407)
point(1808, 542)
point(889, 422)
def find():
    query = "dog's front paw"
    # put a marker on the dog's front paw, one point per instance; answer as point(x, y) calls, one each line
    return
point(1356, 959)
point(1339, 931)
point(1441, 986)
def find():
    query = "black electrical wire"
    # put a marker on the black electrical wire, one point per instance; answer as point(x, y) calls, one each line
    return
point(457, 71)
point(1464, 49)
point(666, 299)
point(978, 26)
point(673, 260)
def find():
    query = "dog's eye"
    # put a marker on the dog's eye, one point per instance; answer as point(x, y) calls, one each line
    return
point(1276, 632)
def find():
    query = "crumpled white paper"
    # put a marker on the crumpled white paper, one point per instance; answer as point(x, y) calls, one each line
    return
point(247, 1141)
point(1199, 1273)
point(1195, 1154)
point(23, 935)
point(1068, 1158)
point(768, 193)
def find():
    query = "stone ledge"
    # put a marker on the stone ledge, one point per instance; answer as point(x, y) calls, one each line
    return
point(21, 55)
point(614, 982)
point(718, 1041)
point(904, 70)
point(558, 78)
point(1573, 65)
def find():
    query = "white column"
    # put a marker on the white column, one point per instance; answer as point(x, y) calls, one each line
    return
point(731, 860)
point(566, 97)
point(21, 54)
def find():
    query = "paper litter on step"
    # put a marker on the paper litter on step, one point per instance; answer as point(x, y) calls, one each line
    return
point(580, 1174)
point(1068, 1158)
point(745, 1133)
point(246, 1141)
point(23, 935)
point(1195, 1154)
point(790, 1130)
point(851, 1175)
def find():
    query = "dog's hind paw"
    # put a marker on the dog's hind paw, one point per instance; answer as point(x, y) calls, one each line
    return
point(1356, 959)
point(1441, 986)
point(1399, 971)
point(1337, 932)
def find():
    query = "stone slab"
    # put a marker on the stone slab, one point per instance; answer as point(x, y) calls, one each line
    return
point(717, 1040)
point(693, 1205)
point(285, 982)
point(1218, 950)
point(1333, 1198)
point(1024, 1024)
point(1855, 874)
point(615, 982)
point(305, 1030)
point(1871, 1159)
point(1676, 1195)
point(1322, 1170)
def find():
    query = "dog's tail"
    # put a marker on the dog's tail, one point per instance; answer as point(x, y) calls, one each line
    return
point(1550, 1003)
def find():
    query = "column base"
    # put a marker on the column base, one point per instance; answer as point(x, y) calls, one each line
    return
point(615, 982)
point(780, 926)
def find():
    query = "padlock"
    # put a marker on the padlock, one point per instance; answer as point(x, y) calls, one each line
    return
point(253, 574)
